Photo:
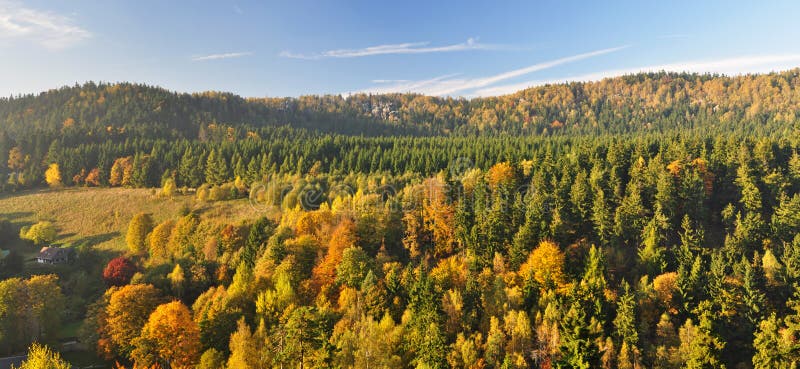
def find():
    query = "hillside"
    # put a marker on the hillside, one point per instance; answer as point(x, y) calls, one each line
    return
point(86, 130)
point(622, 104)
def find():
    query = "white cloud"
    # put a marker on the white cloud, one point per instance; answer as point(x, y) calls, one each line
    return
point(728, 66)
point(50, 30)
point(221, 56)
point(389, 80)
point(404, 48)
point(448, 86)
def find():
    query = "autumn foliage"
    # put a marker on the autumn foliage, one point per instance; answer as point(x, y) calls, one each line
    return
point(170, 337)
point(128, 311)
point(545, 265)
point(118, 271)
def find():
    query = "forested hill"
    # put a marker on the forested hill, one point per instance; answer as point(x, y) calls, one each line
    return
point(86, 131)
point(654, 101)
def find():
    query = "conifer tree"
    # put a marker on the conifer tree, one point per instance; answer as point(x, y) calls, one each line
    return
point(216, 168)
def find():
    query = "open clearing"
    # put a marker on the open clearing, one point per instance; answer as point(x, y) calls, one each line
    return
point(100, 216)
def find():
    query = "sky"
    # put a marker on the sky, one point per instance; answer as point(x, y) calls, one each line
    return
point(443, 48)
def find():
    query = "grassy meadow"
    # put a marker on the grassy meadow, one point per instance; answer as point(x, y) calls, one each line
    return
point(99, 217)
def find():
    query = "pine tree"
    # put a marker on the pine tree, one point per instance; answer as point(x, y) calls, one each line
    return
point(652, 253)
point(425, 338)
point(752, 297)
point(625, 326)
point(216, 168)
point(666, 345)
point(578, 337)
point(188, 170)
point(700, 348)
point(786, 219)
point(769, 346)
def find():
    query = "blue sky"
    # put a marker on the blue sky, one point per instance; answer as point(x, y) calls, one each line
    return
point(454, 48)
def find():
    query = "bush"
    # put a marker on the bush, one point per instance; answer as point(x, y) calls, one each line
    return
point(39, 233)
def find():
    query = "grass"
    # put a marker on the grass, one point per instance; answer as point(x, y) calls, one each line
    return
point(100, 216)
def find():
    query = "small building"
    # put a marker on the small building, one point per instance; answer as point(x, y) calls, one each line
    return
point(3, 256)
point(12, 361)
point(54, 255)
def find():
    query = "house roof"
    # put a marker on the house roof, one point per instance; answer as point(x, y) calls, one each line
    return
point(49, 253)
point(7, 362)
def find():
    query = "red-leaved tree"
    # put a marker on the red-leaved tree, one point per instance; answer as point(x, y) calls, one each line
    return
point(119, 271)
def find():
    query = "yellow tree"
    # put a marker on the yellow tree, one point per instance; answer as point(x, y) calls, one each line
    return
point(170, 338)
point(545, 265)
point(128, 310)
point(40, 233)
point(177, 280)
point(244, 348)
point(40, 356)
point(500, 175)
point(138, 229)
point(121, 171)
point(44, 297)
point(159, 240)
point(53, 175)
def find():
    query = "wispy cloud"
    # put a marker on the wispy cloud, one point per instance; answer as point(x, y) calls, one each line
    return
point(446, 85)
point(729, 66)
point(404, 48)
point(50, 30)
point(221, 56)
point(390, 80)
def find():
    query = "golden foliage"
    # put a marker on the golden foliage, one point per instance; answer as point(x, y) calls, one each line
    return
point(121, 171)
point(675, 168)
point(545, 265)
point(53, 175)
point(500, 175)
point(128, 310)
point(93, 178)
point(172, 334)
point(665, 286)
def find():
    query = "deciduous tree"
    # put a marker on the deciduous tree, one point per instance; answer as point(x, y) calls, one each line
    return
point(119, 271)
point(128, 311)
point(42, 357)
point(169, 338)
point(140, 226)
point(53, 176)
